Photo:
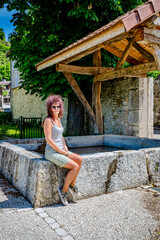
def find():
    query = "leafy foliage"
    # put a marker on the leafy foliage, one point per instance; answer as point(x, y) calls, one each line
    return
point(2, 35)
point(5, 93)
point(4, 61)
point(45, 27)
point(153, 74)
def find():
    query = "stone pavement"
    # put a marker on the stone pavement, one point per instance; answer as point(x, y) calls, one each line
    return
point(124, 215)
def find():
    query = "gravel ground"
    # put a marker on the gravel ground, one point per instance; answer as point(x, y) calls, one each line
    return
point(129, 215)
point(124, 215)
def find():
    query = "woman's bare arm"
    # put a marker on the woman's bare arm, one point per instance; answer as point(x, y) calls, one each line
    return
point(49, 140)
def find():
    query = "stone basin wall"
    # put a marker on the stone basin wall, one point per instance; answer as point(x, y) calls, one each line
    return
point(38, 179)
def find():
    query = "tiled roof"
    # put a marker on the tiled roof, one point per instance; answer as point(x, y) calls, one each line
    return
point(130, 20)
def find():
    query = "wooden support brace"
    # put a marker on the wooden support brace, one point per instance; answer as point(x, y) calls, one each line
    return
point(79, 94)
point(125, 54)
point(143, 52)
point(96, 93)
point(136, 70)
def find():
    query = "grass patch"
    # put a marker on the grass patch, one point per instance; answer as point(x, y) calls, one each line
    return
point(10, 131)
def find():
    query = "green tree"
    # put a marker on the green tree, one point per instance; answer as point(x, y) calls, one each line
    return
point(5, 93)
point(45, 27)
point(2, 35)
point(4, 61)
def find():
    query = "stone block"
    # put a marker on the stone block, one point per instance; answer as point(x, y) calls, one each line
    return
point(84, 141)
point(153, 164)
point(112, 171)
point(133, 99)
point(61, 232)
point(35, 177)
point(133, 117)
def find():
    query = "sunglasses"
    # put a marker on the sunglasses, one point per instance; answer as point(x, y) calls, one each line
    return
point(58, 107)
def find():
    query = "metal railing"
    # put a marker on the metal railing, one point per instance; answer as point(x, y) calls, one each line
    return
point(157, 124)
point(30, 127)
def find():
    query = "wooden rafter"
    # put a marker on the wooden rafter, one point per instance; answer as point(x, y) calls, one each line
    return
point(136, 70)
point(82, 70)
point(79, 94)
point(125, 54)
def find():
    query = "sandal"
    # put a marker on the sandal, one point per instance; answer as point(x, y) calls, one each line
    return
point(75, 190)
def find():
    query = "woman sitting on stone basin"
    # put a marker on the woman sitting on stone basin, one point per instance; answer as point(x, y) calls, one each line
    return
point(56, 149)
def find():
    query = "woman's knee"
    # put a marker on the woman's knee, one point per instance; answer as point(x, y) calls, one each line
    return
point(75, 166)
point(81, 160)
point(72, 165)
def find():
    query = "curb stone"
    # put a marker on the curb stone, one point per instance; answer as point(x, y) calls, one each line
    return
point(55, 226)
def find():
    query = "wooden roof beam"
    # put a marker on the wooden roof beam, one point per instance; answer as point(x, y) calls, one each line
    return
point(146, 35)
point(82, 70)
point(153, 22)
point(136, 70)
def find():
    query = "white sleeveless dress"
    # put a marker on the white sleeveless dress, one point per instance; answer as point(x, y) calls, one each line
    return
point(51, 154)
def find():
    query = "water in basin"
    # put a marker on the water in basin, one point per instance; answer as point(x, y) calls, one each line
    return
point(96, 149)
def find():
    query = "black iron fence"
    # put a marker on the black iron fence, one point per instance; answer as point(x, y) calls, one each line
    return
point(30, 127)
point(157, 126)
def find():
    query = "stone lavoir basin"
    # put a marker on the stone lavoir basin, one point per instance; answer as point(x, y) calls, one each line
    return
point(110, 163)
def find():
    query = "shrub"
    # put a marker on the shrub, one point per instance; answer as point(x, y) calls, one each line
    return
point(5, 117)
point(3, 130)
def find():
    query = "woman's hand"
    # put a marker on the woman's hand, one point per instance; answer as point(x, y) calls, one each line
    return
point(66, 148)
point(64, 152)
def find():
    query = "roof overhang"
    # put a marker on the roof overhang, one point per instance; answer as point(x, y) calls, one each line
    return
point(110, 37)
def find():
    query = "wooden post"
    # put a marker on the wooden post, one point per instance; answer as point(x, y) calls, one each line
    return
point(96, 92)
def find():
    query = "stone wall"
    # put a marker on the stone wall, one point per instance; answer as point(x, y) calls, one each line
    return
point(157, 102)
point(31, 105)
point(26, 105)
point(127, 106)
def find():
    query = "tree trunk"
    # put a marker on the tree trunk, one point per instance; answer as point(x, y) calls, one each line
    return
point(75, 118)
